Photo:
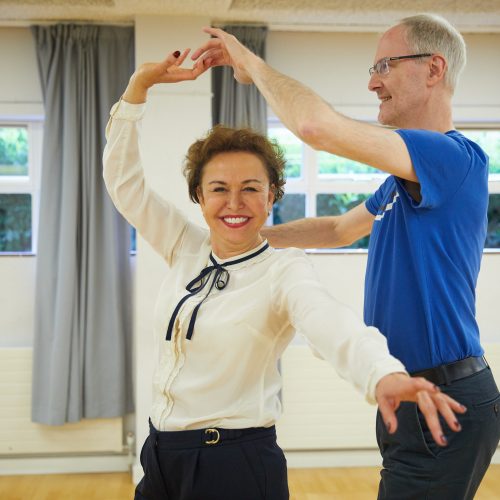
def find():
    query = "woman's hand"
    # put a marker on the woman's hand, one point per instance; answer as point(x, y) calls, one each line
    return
point(166, 71)
point(397, 387)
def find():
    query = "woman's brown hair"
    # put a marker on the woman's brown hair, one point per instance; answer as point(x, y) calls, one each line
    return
point(221, 139)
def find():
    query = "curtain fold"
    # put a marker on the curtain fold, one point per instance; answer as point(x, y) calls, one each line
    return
point(234, 104)
point(83, 323)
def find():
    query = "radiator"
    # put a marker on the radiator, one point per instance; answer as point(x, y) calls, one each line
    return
point(19, 436)
point(323, 412)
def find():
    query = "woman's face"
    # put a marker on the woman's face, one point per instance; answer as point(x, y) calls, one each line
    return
point(235, 198)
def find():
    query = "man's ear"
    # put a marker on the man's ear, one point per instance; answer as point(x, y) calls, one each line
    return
point(437, 69)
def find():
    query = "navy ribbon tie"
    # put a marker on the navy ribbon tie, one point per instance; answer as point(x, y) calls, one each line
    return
point(196, 285)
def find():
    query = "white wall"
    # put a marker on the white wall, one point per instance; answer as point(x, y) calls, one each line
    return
point(20, 93)
point(335, 64)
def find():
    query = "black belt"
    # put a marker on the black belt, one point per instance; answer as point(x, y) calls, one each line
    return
point(208, 437)
point(446, 374)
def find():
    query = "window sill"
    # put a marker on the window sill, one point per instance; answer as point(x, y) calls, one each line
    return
point(17, 254)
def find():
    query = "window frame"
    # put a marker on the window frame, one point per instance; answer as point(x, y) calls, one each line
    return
point(29, 184)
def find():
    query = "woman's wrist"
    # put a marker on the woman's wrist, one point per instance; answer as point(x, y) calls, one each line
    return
point(135, 93)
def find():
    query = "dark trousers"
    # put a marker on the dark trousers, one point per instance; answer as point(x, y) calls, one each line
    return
point(243, 464)
point(415, 467)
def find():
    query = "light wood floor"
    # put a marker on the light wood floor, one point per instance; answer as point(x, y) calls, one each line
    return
point(305, 484)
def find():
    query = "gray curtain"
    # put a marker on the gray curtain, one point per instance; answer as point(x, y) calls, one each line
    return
point(234, 104)
point(83, 324)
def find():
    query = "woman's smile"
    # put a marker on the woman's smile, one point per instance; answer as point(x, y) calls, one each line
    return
point(235, 221)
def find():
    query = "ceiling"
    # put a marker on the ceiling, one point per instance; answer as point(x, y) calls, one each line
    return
point(317, 15)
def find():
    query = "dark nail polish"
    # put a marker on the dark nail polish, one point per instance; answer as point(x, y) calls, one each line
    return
point(444, 440)
point(177, 53)
point(464, 407)
point(458, 427)
point(388, 426)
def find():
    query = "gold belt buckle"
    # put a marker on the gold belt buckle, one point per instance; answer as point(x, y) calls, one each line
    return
point(213, 440)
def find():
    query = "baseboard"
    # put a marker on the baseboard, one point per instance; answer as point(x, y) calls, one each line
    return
point(332, 458)
point(64, 464)
point(343, 458)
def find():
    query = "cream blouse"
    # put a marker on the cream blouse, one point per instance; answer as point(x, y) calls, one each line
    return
point(227, 374)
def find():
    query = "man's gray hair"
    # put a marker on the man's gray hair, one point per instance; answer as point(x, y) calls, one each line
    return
point(430, 33)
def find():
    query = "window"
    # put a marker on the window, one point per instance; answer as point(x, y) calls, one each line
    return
point(320, 183)
point(489, 140)
point(20, 158)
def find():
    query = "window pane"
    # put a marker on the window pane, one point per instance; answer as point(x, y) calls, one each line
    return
point(133, 239)
point(489, 140)
point(290, 207)
point(493, 236)
point(13, 150)
point(293, 149)
point(337, 204)
point(15, 223)
point(332, 164)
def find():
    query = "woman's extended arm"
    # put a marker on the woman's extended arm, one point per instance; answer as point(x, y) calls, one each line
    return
point(358, 353)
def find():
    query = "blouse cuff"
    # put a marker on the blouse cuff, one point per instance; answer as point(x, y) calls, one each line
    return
point(126, 111)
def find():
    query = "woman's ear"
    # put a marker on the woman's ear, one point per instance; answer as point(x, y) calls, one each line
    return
point(199, 195)
point(271, 197)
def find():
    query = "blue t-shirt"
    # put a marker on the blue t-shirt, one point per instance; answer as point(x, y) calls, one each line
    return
point(424, 257)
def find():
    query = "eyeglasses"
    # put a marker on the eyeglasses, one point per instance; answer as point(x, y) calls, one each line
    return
point(382, 67)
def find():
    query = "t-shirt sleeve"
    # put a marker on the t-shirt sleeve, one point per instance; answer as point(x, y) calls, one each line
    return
point(375, 201)
point(442, 162)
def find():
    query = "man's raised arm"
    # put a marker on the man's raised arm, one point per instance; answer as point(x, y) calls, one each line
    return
point(305, 113)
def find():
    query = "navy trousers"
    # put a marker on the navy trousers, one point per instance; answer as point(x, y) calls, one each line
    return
point(415, 467)
point(217, 464)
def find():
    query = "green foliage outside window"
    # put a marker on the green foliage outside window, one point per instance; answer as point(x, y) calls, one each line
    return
point(489, 140)
point(493, 236)
point(332, 164)
point(15, 223)
point(338, 204)
point(293, 149)
point(13, 151)
point(290, 207)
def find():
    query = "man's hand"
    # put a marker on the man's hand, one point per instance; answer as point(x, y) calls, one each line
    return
point(397, 387)
point(225, 50)
point(166, 71)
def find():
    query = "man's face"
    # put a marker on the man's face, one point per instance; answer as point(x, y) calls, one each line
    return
point(402, 91)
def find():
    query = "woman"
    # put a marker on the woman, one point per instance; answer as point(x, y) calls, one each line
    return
point(227, 310)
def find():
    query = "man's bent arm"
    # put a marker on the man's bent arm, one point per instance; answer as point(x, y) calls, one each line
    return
point(322, 232)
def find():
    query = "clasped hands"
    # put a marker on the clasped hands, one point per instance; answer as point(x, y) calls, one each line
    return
point(222, 50)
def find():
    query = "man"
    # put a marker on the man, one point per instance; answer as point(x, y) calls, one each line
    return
point(427, 224)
